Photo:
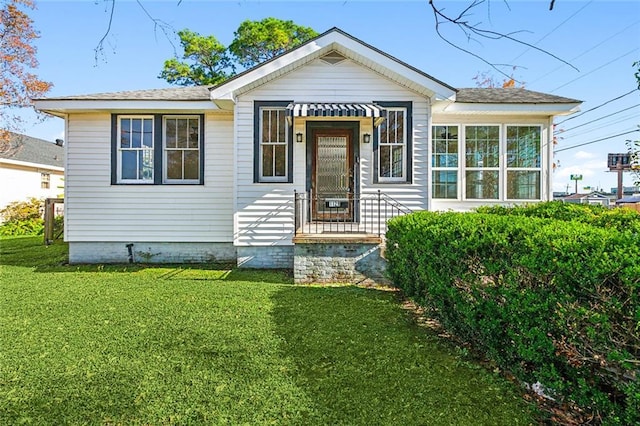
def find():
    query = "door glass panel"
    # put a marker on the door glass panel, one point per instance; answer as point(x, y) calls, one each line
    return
point(332, 172)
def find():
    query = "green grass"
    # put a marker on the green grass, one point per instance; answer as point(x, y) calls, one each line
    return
point(131, 344)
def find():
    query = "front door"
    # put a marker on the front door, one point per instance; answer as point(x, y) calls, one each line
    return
point(332, 184)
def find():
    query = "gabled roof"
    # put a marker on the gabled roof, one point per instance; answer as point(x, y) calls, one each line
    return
point(348, 46)
point(25, 149)
point(593, 194)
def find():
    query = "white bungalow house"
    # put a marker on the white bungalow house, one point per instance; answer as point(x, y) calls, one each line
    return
point(30, 167)
point(197, 173)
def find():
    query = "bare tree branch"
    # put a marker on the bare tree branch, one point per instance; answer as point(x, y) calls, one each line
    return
point(472, 31)
point(167, 30)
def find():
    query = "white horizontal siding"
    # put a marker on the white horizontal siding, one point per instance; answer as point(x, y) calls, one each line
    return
point(20, 183)
point(99, 211)
point(265, 211)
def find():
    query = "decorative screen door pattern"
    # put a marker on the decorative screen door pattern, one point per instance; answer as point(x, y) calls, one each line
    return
point(333, 176)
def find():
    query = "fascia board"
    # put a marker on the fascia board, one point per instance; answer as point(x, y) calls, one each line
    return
point(31, 165)
point(55, 107)
point(528, 109)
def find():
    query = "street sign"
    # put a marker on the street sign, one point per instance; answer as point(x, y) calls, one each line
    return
point(576, 177)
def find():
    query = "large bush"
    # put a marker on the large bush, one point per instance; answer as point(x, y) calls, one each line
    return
point(22, 218)
point(552, 301)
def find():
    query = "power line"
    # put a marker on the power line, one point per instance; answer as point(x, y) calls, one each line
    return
point(586, 51)
point(553, 30)
point(597, 119)
point(597, 140)
point(609, 126)
point(596, 69)
point(596, 107)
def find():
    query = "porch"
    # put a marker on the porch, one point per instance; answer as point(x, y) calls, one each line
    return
point(341, 239)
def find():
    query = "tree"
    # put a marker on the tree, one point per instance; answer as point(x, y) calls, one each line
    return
point(18, 85)
point(259, 41)
point(207, 62)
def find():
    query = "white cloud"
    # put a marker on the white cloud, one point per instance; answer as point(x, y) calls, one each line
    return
point(584, 155)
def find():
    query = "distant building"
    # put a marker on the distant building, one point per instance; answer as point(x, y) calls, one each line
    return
point(30, 167)
point(626, 190)
point(590, 198)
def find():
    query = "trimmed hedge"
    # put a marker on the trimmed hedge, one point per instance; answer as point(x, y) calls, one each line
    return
point(552, 301)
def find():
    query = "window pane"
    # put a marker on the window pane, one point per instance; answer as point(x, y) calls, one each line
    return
point(267, 160)
point(482, 184)
point(523, 146)
point(191, 165)
point(129, 165)
point(391, 127)
point(147, 139)
point(170, 133)
point(445, 184)
point(266, 125)
point(397, 152)
point(136, 133)
point(385, 161)
point(174, 164)
point(382, 129)
point(445, 146)
point(399, 135)
point(183, 133)
point(194, 133)
point(281, 160)
point(273, 129)
point(482, 146)
point(146, 164)
point(523, 185)
point(282, 126)
point(125, 133)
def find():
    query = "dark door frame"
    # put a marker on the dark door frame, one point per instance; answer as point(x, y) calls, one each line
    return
point(354, 128)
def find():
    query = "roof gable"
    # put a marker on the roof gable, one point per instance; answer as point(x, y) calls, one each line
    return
point(334, 40)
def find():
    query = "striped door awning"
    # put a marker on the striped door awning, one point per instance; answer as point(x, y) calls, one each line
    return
point(299, 109)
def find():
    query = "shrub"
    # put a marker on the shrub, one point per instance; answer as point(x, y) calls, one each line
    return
point(22, 218)
point(554, 301)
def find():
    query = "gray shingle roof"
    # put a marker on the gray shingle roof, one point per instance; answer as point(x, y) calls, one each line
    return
point(511, 95)
point(33, 150)
point(195, 93)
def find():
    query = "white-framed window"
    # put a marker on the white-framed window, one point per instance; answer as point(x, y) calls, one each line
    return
point(135, 149)
point(392, 146)
point(181, 149)
point(524, 159)
point(482, 162)
point(273, 145)
point(445, 161)
point(157, 149)
point(45, 180)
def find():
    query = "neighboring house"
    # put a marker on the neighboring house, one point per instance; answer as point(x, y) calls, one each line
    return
point(197, 173)
point(590, 198)
point(30, 167)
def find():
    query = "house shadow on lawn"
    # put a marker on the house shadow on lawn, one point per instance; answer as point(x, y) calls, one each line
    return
point(362, 360)
point(30, 252)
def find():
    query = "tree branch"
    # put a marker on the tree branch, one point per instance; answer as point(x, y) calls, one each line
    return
point(474, 30)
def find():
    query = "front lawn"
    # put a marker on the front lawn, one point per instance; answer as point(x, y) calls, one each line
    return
point(189, 345)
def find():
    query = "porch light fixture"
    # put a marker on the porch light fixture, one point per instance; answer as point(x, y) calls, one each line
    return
point(299, 137)
point(366, 138)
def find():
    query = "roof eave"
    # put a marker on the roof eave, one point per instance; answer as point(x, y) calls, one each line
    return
point(60, 107)
point(545, 109)
point(31, 165)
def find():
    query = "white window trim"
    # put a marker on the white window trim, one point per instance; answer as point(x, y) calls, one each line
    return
point(403, 178)
point(120, 150)
point(458, 169)
point(499, 168)
point(527, 169)
point(275, 179)
point(165, 163)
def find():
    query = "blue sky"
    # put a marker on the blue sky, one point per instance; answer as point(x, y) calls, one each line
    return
point(601, 38)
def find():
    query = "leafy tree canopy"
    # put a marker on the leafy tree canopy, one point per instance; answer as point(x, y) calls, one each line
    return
point(206, 61)
point(18, 84)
